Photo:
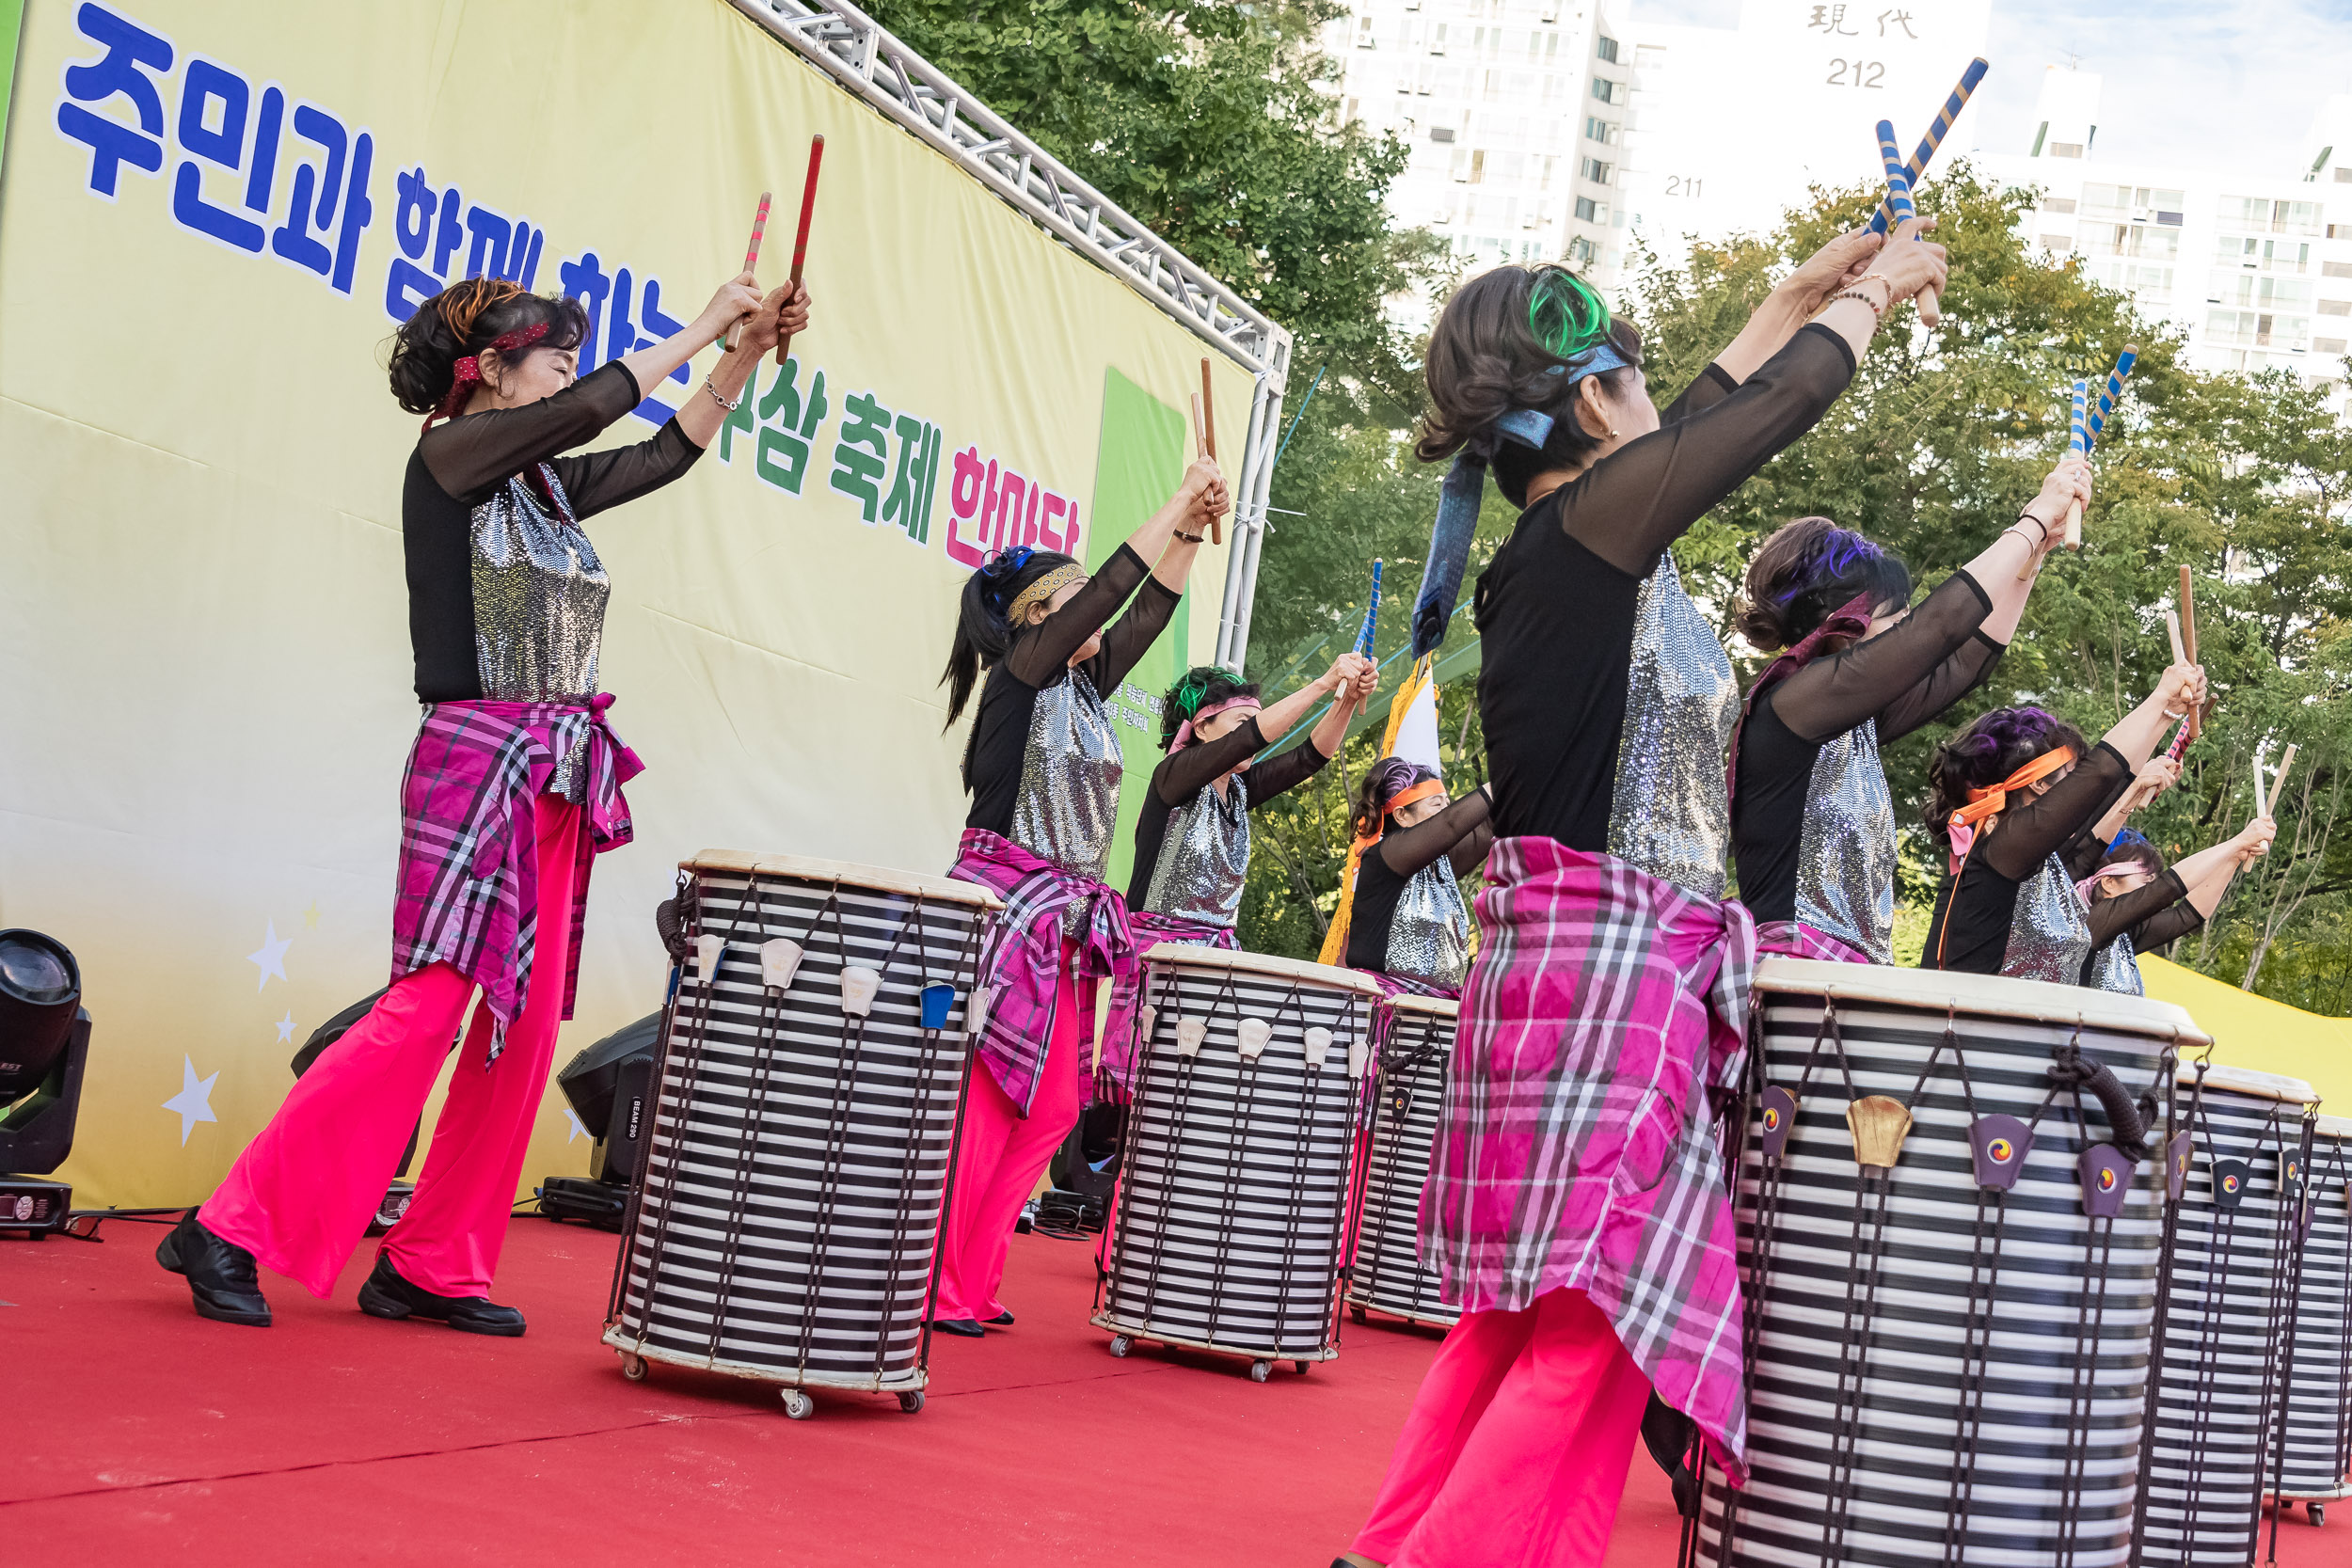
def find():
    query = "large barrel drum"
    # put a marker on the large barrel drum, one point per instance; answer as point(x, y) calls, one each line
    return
point(1237, 1178)
point(1949, 1254)
point(1415, 1053)
point(2234, 1154)
point(2315, 1437)
point(812, 1067)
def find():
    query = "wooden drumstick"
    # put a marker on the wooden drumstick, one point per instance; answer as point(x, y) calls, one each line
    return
point(2188, 646)
point(1205, 443)
point(2278, 782)
point(2173, 625)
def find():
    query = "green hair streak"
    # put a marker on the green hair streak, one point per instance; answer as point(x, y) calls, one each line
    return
point(1566, 315)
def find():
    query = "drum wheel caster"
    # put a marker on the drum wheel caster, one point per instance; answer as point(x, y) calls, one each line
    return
point(1302, 1367)
point(798, 1405)
point(1261, 1371)
point(2318, 1512)
point(1356, 1313)
point(1121, 1345)
point(632, 1367)
point(912, 1402)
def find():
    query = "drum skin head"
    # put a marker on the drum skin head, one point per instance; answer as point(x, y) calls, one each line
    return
point(2106, 1182)
point(2230, 1175)
point(1997, 1145)
point(1776, 1112)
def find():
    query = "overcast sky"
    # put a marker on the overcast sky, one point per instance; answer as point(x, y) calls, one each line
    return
point(2228, 83)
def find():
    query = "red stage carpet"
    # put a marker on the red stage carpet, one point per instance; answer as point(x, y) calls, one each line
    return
point(140, 1434)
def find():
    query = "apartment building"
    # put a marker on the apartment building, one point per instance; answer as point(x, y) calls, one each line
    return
point(1515, 114)
point(2253, 266)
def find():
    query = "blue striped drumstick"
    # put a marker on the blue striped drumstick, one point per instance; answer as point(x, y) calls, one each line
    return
point(1898, 202)
point(2078, 445)
point(1880, 221)
point(2108, 396)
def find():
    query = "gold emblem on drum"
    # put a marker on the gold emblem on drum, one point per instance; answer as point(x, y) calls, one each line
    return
point(1879, 1124)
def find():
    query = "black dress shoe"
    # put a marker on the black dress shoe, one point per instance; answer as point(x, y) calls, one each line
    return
point(387, 1295)
point(220, 1274)
point(962, 1328)
point(1002, 1320)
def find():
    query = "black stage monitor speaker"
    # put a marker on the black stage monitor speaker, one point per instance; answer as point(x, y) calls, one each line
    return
point(44, 1044)
point(610, 1086)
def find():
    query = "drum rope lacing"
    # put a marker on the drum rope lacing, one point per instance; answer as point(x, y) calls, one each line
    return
point(1402, 1069)
point(2069, 1072)
point(2299, 1217)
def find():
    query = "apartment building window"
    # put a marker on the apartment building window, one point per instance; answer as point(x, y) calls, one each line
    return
point(2335, 307)
point(1543, 179)
point(1604, 89)
point(1606, 48)
point(1364, 38)
point(1595, 171)
point(1437, 37)
point(1588, 211)
point(2066, 149)
point(1602, 131)
point(2240, 289)
point(1582, 251)
point(2263, 215)
point(1441, 133)
point(2058, 204)
point(2258, 329)
point(2328, 345)
point(2057, 243)
point(2335, 269)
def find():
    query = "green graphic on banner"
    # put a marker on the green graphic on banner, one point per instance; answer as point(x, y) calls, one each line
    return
point(12, 32)
point(1140, 462)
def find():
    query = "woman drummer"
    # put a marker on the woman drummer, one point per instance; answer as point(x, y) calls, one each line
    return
point(1812, 820)
point(2138, 903)
point(1043, 766)
point(2005, 795)
point(1406, 925)
point(1576, 1209)
point(513, 787)
point(1192, 837)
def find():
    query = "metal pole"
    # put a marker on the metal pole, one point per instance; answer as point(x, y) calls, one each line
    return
point(1249, 503)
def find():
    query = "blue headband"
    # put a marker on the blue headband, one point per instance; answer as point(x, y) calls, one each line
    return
point(1466, 487)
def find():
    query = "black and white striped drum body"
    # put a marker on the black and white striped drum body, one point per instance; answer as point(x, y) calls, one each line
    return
point(2315, 1446)
point(2228, 1298)
point(1948, 1258)
point(1416, 1048)
point(1236, 1182)
point(812, 1067)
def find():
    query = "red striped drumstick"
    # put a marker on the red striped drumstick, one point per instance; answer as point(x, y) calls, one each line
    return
point(751, 260)
point(800, 244)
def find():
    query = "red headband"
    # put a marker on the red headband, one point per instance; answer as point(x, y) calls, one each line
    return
point(468, 370)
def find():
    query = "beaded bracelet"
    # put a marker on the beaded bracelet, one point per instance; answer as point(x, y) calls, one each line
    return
point(722, 402)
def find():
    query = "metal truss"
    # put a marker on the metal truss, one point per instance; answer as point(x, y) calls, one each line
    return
point(863, 57)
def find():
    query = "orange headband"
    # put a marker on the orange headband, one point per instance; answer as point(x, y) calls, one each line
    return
point(1986, 804)
point(1403, 798)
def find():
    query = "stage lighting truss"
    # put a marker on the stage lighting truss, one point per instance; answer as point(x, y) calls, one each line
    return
point(863, 57)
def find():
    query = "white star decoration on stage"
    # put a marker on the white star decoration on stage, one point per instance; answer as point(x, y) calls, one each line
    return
point(271, 958)
point(193, 1102)
point(285, 1028)
point(580, 1127)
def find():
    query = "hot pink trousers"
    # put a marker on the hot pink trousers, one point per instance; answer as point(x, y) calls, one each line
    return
point(1515, 1450)
point(300, 1196)
point(1000, 1156)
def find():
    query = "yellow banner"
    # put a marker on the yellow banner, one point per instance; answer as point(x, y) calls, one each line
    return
point(213, 219)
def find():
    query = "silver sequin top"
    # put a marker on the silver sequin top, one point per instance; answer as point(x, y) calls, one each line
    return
point(1070, 773)
point(1669, 814)
point(1846, 856)
point(2116, 967)
point(1204, 858)
point(1429, 934)
point(2049, 936)
point(539, 594)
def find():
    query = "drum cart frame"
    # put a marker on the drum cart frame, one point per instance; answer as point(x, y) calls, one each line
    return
point(636, 1353)
point(1359, 1304)
point(1126, 1334)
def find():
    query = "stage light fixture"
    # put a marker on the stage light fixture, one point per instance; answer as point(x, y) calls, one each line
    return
point(610, 1087)
point(44, 1045)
